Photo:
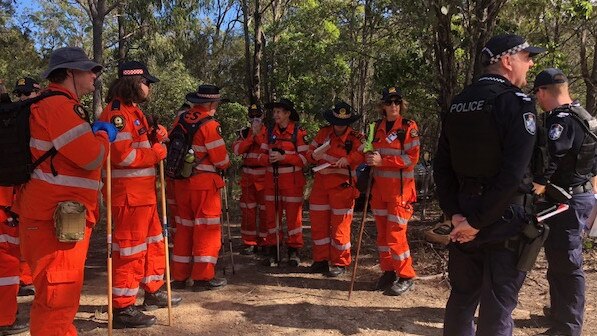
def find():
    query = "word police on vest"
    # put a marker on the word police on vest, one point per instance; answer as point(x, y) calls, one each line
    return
point(467, 106)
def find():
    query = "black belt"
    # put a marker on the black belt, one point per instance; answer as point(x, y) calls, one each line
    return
point(580, 189)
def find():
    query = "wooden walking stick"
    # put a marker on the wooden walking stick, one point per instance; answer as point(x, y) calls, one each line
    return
point(225, 191)
point(361, 230)
point(167, 252)
point(368, 148)
point(109, 236)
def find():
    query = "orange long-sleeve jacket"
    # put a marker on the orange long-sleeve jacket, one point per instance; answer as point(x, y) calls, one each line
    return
point(133, 159)
point(210, 150)
point(395, 177)
point(62, 123)
point(333, 177)
point(249, 146)
point(291, 167)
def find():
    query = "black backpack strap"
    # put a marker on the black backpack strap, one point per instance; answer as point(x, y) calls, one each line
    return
point(583, 123)
point(295, 135)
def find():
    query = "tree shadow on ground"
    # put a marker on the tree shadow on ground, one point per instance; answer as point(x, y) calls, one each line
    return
point(349, 321)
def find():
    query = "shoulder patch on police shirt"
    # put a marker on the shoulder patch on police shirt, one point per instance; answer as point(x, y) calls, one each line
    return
point(529, 123)
point(523, 96)
point(81, 112)
point(118, 122)
point(555, 131)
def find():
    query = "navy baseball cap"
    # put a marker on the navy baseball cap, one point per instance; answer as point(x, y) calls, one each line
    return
point(506, 44)
point(390, 92)
point(26, 85)
point(134, 68)
point(549, 76)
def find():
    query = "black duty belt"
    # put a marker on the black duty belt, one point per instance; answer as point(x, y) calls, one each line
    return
point(580, 189)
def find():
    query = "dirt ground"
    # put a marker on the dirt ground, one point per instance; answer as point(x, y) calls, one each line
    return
point(286, 301)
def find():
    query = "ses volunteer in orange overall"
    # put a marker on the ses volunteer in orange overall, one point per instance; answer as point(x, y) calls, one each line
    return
point(252, 181)
point(138, 245)
point(284, 152)
point(26, 88)
point(396, 145)
point(72, 174)
point(199, 231)
point(334, 189)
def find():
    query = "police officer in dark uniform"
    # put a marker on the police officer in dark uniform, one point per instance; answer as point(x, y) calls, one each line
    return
point(483, 155)
point(570, 166)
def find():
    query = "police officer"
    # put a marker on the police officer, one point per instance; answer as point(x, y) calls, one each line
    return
point(485, 147)
point(571, 158)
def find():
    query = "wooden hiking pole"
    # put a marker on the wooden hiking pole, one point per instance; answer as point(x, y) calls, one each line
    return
point(167, 252)
point(109, 236)
point(225, 191)
point(361, 230)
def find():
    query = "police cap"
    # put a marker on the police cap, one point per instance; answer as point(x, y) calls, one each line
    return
point(549, 76)
point(506, 44)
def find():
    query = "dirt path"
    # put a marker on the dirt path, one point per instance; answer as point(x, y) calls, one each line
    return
point(285, 301)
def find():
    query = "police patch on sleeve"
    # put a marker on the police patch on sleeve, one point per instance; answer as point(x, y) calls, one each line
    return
point(414, 133)
point(81, 112)
point(118, 122)
point(555, 131)
point(529, 123)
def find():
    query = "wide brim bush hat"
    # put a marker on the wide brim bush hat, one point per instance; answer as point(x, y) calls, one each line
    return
point(286, 104)
point(71, 58)
point(341, 114)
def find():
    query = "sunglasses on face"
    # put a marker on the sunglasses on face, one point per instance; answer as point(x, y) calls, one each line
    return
point(145, 81)
point(392, 101)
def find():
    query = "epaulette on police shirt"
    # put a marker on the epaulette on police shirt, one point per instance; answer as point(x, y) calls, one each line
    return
point(523, 96)
point(116, 105)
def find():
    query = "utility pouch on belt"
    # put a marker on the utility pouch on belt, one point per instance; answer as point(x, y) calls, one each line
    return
point(70, 221)
point(534, 235)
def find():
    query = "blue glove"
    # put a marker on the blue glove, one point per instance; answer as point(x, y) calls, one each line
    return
point(106, 127)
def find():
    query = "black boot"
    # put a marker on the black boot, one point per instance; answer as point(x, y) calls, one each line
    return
point(132, 317)
point(385, 281)
point(271, 257)
point(249, 250)
point(26, 290)
point(336, 271)
point(293, 257)
point(320, 267)
point(400, 286)
point(16, 328)
point(215, 283)
point(159, 299)
point(178, 284)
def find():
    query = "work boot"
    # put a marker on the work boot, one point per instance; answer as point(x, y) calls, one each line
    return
point(249, 250)
point(400, 286)
point(293, 257)
point(553, 332)
point(178, 284)
point(320, 267)
point(16, 327)
point(336, 271)
point(26, 290)
point(159, 299)
point(271, 257)
point(547, 312)
point(215, 283)
point(385, 281)
point(132, 317)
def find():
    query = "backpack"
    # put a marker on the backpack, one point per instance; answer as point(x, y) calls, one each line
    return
point(17, 163)
point(181, 141)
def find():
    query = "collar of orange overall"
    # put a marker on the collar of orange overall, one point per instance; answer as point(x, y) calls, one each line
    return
point(343, 136)
point(60, 88)
point(397, 125)
point(288, 130)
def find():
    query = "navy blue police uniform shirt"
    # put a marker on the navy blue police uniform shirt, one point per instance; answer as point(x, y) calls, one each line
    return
point(564, 135)
point(514, 118)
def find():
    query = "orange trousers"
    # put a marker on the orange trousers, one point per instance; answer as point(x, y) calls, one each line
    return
point(26, 278)
point(331, 215)
point(57, 276)
point(9, 273)
point(198, 234)
point(391, 219)
point(290, 201)
point(138, 255)
point(252, 203)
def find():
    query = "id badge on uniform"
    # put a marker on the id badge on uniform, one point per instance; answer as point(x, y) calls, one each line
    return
point(391, 137)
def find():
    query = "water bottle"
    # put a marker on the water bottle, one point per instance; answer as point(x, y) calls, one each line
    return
point(187, 165)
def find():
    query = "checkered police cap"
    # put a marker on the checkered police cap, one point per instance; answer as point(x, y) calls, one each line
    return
point(506, 44)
